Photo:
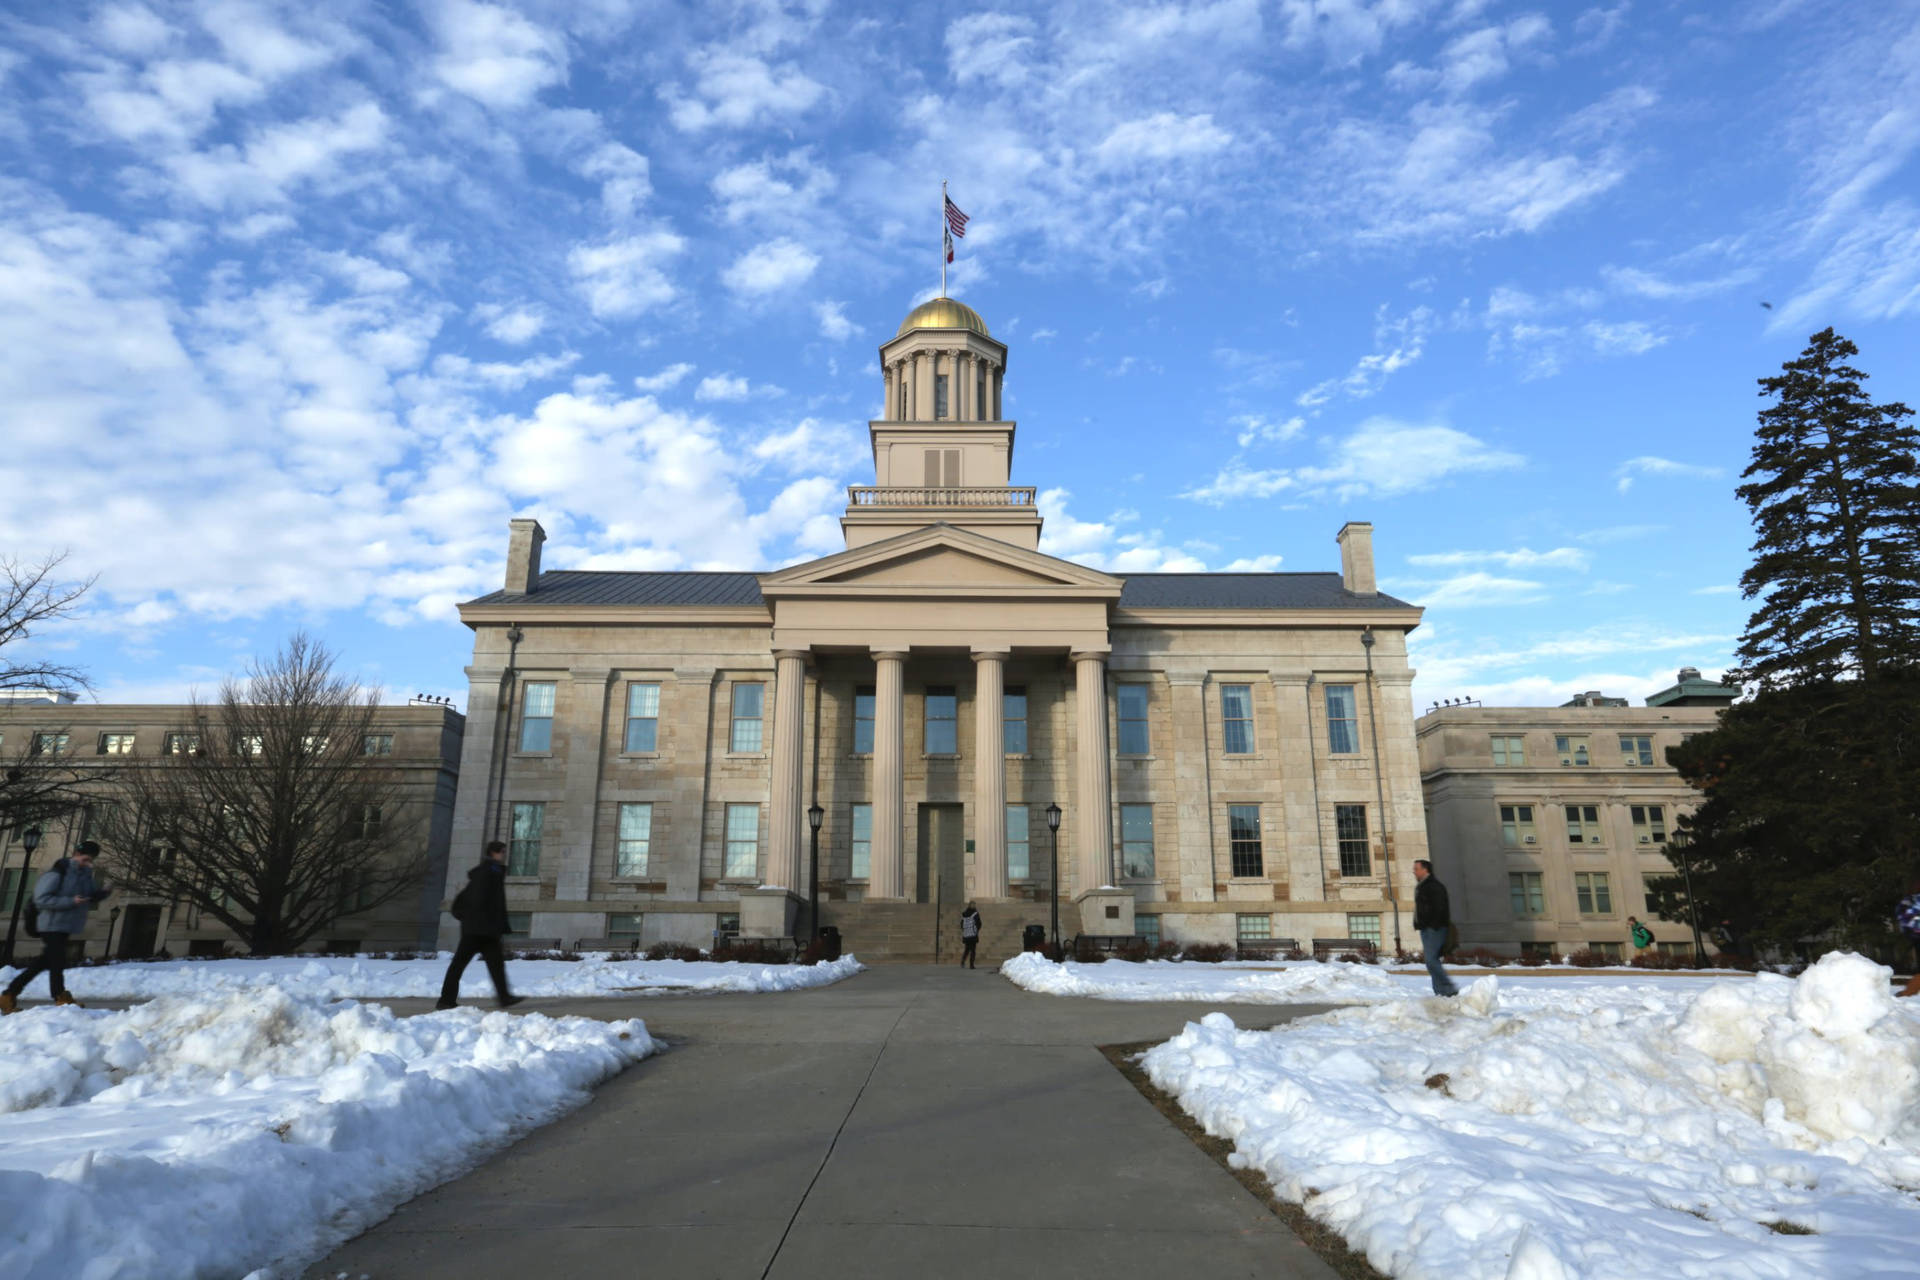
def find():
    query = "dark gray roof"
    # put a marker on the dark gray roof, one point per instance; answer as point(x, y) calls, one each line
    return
point(580, 586)
point(1246, 591)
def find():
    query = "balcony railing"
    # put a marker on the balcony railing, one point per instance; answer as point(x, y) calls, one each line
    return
point(866, 495)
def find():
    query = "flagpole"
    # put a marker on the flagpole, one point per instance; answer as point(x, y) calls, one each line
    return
point(943, 238)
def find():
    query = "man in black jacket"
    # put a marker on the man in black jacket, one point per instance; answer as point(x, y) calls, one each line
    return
point(1431, 918)
point(481, 909)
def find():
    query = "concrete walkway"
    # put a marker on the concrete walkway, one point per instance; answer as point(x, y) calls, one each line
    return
point(911, 1121)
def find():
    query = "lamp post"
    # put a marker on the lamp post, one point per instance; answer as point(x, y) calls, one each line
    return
point(113, 921)
point(1678, 840)
point(815, 816)
point(30, 838)
point(1053, 874)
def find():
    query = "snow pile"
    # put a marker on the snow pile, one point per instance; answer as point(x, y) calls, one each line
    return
point(1601, 1131)
point(197, 1137)
point(342, 977)
point(1303, 982)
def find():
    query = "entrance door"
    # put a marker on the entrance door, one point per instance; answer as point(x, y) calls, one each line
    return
point(139, 932)
point(941, 863)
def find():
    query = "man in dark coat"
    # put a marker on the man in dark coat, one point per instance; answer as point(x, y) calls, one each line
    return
point(969, 935)
point(1431, 919)
point(62, 897)
point(481, 909)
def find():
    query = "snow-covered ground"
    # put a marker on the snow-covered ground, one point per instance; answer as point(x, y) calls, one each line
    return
point(1596, 1129)
point(357, 976)
point(1299, 982)
point(254, 1130)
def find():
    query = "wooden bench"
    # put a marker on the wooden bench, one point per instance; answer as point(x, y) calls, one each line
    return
point(1105, 943)
point(607, 944)
point(531, 944)
point(1325, 947)
point(784, 948)
point(1265, 948)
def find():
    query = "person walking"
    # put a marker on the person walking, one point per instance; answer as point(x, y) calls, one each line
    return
point(1639, 935)
point(969, 935)
point(1432, 919)
point(481, 909)
point(62, 897)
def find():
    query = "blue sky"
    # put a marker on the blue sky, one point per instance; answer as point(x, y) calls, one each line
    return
point(301, 303)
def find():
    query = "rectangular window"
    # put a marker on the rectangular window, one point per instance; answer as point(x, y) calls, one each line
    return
point(1243, 833)
point(1516, 824)
point(743, 841)
point(1680, 950)
point(727, 924)
point(314, 744)
point(1350, 825)
point(1636, 748)
point(1509, 749)
point(1364, 926)
point(536, 716)
point(862, 827)
point(1525, 894)
point(377, 744)
point(1013, 722)
point(980, 392)
point(643, 718)
point(1536, 950)
point(1573, 749)
point(1583, 825)
point(248, 744)
point(1649, 824)
point(1132, 700)
point(623, 926)
point(939, 395)
point(1343, 720)
point(10, 887)
point(749, 705)
point(1147, 929)
point(1019, 863)
point(1136, 841)
point(1252, 928)
point(116, 744)
point(49, 744)
point(942, 735)
point(1236, 718)
point(863, 721)
point(635, 840)
point(1594, 893)
point(368, 826)
point(523, 848)
point(180, 744)
point(519, 923)
point(1611, 950)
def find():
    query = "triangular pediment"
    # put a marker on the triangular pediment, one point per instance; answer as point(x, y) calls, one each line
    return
point(937, 559)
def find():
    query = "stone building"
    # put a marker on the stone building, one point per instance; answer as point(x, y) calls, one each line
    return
point(1546, 823)
point(421, 743)
point(1232, 754)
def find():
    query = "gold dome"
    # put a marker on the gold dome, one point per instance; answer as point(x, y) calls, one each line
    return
point(943, 313)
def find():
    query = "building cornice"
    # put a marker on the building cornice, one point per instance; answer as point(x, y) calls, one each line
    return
point(1344, 619)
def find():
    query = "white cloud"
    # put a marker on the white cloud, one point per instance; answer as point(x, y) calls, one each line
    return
point(1645, 284)
point(998, 47)
point(665, 380)
point(277, 159)
point(734, 90)
point(1253, 564)
point(625, 277)
point(1346, 31)
point(770, 267)
point(623, 176)
point(1628, 338)
point(516, 327)
point(1161, 137)
point(1256, 428)
point(495, 55)
point(1101, 545)
point(1472, 590)
point(779, 191)
point(813, 445)
point(1523, 558)
point(1633, 468)
point(1383, 456)
point(834, 324)
point(1718, 589)
point(1405, 338)
point(722, 386)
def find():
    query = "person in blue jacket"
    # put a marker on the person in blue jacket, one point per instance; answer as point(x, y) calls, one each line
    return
point(62, 897)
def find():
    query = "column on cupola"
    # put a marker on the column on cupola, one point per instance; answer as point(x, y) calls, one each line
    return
point(963, 375)
point(1093, 778)
point(886, 875)
point(789, 748)
point(989, 775)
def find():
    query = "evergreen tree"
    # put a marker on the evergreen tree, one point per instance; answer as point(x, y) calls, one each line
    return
point(1834, 487)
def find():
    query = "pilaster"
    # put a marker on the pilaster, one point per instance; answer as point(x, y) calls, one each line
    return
point(1093, 776)
point(789, 719)
point(989, 776)
point(886, 879)
point(691, 728)
point(586, 738)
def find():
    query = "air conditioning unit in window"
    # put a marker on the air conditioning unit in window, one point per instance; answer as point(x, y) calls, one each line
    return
point(1646, 839)
point(1532, 840)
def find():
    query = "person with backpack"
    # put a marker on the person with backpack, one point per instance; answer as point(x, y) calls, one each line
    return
point(1639, 935)
point(61, 899)
point(1907, 916)
point(481, 909)
point(969, 935)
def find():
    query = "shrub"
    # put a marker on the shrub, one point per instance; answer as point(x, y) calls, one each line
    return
point(1535, 960)
point(1164, 951)
point(1588, 958)
point(1483, 956)
point(751, 951)
point(674, 951)
point(1660, 960)
point(1353, 957)
point(1208, 952)
point(1725, 961)
point(1296, 953)
point(1134, 949)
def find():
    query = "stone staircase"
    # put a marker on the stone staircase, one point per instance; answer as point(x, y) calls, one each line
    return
point(902, 932)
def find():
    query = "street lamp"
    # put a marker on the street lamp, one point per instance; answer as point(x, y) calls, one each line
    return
point(1053, 877)
point(113, 921)
point(815, 816)
point(1679, 840)
point(31, 839)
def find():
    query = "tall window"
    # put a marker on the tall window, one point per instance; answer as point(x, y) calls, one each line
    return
point(1516, 824)
point(635, 840)
point(942, 735)
point(10, 884)
point(248, 744)
point(377, 744)
point(1019, 864)
point(1524, 891)
point(1243, 833)
point(116, 744)
point(1133, 718)
point(1573, 749)
point(519, 923)
point(1343, 720)
point(1147, 929)
point(979, 390)
point(939, 395)
point(523, 844)
point(863, 721)
point(368, 825)
point(1364, 926)
point(624, 926)
point(1236, 718)
point(536, 716)
point(1013, 722)
point(1509, 749)
point(862, 827)
point(1636, 748)
point(743, 841)
point(1252, 928)
point(180, 744)
point(1649, 824)
point(1583, 824)
point(1136, 841)
point(1350, 825)
point(1594, 893)
point(643, 718)
point(749, 703)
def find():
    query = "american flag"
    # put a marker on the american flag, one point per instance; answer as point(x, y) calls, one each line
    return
point(956, 224)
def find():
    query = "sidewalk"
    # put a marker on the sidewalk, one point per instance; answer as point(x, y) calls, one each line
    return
point(911, 1121)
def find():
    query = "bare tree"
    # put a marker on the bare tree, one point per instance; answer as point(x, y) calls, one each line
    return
point(38, 781)
point(271, 818)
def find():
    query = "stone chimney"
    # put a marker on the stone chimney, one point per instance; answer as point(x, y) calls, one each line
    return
point(524, 539)
point(1356, 557)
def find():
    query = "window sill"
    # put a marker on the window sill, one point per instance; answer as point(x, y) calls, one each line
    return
point(1135, 759)
point(533, 755)
point(940, 755)
point(533, 880)
point(1018, 755)
point(746, 755)
point(640, 755)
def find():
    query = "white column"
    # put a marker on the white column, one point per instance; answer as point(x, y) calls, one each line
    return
point(887, 875)
point(922, 386)
point(989, 776)
point(1093, 781)
point(789, 750)
point(963, 371)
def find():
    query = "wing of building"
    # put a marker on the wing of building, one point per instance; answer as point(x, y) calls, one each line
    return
point(1232, 755)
